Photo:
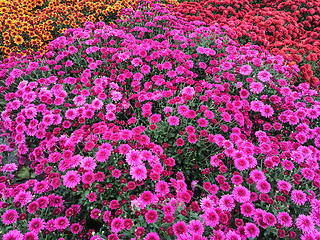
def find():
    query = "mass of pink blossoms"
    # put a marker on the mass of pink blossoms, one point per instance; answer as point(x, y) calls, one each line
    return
point(158, 128)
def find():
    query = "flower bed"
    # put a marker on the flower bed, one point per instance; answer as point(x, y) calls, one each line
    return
point(28, 26)
point(158, 128)
point(288, 28)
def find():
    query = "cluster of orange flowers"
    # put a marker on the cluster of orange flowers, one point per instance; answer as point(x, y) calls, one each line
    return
point(29, 26)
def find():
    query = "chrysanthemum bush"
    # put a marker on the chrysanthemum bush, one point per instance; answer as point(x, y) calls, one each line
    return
point(28, 26)
point(158, 128)
point(284, 28)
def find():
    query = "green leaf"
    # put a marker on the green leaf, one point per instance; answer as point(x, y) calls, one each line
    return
point(22, 173)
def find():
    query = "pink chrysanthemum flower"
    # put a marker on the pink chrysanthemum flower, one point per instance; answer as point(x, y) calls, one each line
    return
point(61, 223)
point(146, 197)
point(247, 209)
point(30, 236)
point(257, 176)
point(188, 91)
point(23, 198)
point(206, 203)
point(256, 87)
point(245, 70)
point(192, 138)
point(138, 173)
point(36, 225)
point(284, 219)
point(151, 216)
point(284, 185)
point(162, 188)
point(231, 235)
point(266, 111)
point(241, 164)
point(95, 213)
point(76, 228)
point(251, 230)
point(256, 105)
point(180, 228)
point(241, 194)
point(88, 163)
point(88, 177)
point(10, 167)
point(152, 236)
point(92, 197)
point(210, 217)
point(173, 121)
point(71, 179)
point(97, 104)
point(117, 225)
point(226, 203)
point(79, 100)
point(102, 155)
point(134, 158)
point(263, 186)
point(195, 227)
point(13, 235)
point(305, 223)
point(264, 76)
point(298, 197)
point(10, 216)
point(202, 122)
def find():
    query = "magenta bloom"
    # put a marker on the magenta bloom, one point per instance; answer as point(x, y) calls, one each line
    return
point(134, 158)
point(241, 164)
point(76, 228)
point(210, 217)
point(298, 197)
point(152, 236)
point(241, 194)
point(266, 111)
point(180, 228)
point(192, 138)
point(138, 173)
point(247, 209)
point(102, 155)
point(88, 177)
point(173, 121)
point(71, 179)
point(251, 230)
point(155, 118)
point(226, 203)
point(95, 213)
point(190, 114)
point(188, 91)
point(146, 197)
point(195, 227)
point(151, 216)
point(117, 225)
point(284, 219)
point(264, 76)
point(202, 122)
point(10, 216)
point(269, 219)
point(162, 188)
point(13, 235)
point(263, 186)
point(256, 87)
point(245, 70)
point(256, 105)
point(30, 236)
point(36, 225)
point(61, 223)
point(305, 223)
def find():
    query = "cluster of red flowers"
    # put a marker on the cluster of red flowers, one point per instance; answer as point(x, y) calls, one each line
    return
point(290, 28)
